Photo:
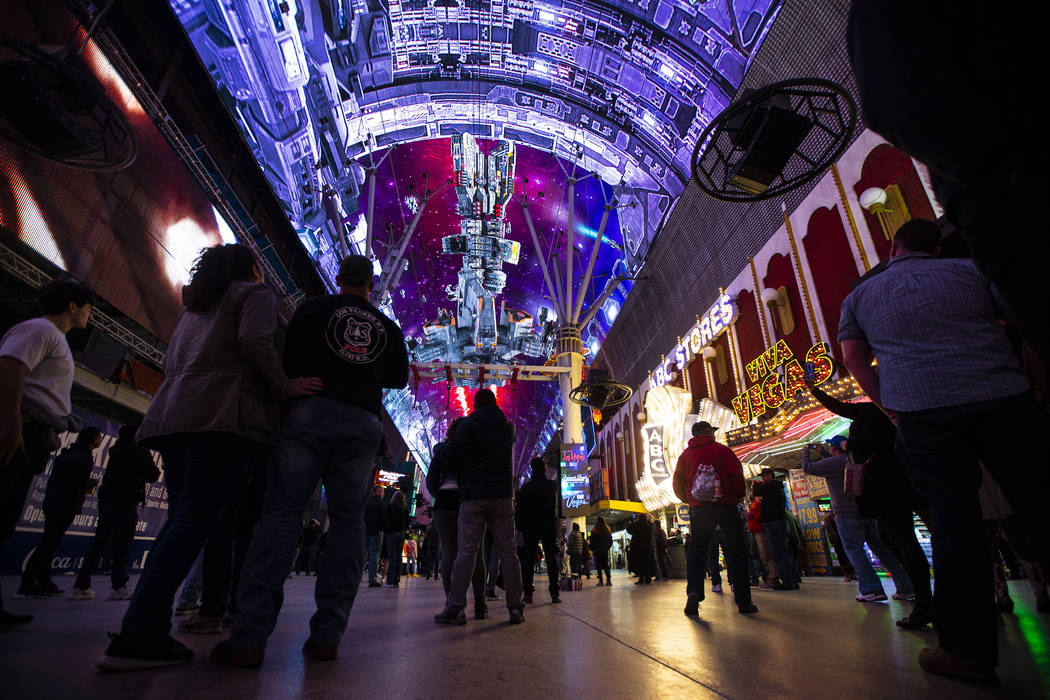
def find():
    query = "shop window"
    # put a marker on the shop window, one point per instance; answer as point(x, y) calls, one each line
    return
point(779, 303)
point(720, 366)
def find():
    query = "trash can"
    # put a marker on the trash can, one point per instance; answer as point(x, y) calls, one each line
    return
point(677, 567)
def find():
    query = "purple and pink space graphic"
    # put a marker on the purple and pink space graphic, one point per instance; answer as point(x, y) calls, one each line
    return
point(423, 290)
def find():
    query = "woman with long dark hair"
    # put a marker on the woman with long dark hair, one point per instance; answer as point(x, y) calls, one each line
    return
point(394, 534)
point(218, 404)
point(601, 543)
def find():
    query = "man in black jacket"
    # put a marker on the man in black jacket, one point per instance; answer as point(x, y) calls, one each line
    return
point(537, 520)
point(129, 469)
point(774, 503)
point(331, 437)
point(375, 516)
point(481, 448)
point(69, 482)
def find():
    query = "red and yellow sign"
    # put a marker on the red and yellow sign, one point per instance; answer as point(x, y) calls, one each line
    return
point(771, 387)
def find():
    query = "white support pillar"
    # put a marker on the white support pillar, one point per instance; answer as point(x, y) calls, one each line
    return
point(570, 355)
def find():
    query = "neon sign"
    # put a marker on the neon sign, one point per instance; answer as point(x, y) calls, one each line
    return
point(575, 484)
point(709, 327)
point(655, 464)
point(776, 376)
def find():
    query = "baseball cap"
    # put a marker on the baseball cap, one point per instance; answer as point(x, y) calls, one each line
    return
point(355, 271)
point(837, 441)
point(702, 426)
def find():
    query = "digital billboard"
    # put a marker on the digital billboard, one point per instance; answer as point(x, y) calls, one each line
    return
point(575, 483)
point(132, 235)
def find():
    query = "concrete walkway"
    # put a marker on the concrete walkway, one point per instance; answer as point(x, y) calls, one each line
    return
point(621, 642)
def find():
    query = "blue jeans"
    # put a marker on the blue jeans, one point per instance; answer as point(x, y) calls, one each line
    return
point(202, 472)
point(194, 583)
point(375, 542)
point(321, 439)
point(854, 533)
point(776, 532)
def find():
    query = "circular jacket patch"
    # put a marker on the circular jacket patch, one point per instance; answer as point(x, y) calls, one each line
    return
point(356, 335)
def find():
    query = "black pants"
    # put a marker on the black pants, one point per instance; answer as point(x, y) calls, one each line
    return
point(941, 449)
point(718, 539)
point(16, 477)
point(549, 540)
point(202, 472)
point(601, 563)
point(56, 521)
point(703, 520)
point(115, 531)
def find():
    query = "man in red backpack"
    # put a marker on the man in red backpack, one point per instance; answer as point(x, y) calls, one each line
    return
point(710, 479)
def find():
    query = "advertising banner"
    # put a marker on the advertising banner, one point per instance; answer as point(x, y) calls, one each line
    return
point(575, 484)
point(799, 485)
point(78, 538)
point(817, 559)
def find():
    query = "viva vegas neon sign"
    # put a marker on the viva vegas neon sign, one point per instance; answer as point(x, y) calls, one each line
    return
point(771, 388)
point(711, 325)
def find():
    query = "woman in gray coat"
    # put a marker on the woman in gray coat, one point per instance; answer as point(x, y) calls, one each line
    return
point(219, 401)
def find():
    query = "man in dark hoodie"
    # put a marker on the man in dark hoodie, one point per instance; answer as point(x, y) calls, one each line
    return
point(710, 478)
point(481, 448)
point(537, 520)
point(129, 469)
point(69, 482)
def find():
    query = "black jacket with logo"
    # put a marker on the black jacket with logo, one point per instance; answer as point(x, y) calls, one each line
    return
point(481, 450)
point(349, 344)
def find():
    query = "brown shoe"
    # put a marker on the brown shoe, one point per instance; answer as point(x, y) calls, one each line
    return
point(321, 652)
point(944, 663)
point(224, 653)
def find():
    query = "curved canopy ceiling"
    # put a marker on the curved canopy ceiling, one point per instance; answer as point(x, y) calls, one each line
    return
point(323, 89)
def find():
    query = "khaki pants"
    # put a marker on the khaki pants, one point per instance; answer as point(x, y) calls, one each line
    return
point(766, 555)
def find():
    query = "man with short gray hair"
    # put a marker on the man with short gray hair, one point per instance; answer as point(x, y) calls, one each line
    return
point(949, 378)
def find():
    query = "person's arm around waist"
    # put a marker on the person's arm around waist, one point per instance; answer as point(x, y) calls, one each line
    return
point(13, 375)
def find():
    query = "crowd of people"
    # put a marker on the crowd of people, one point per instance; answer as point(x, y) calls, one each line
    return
point(241, 468)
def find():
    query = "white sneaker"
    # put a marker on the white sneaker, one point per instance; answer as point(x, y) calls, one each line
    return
point(871, 598)
point(122, 593)
point(81, 594)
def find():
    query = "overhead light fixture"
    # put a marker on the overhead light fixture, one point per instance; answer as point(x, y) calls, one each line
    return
point(599, 390)
point(874, 199)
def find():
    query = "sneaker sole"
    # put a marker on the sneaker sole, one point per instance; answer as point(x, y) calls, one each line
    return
point(457, 623)
point(117, 664)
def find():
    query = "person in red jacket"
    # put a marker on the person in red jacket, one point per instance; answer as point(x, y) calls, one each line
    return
point(710, 478)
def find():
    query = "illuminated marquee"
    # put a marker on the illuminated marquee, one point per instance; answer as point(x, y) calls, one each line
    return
point(771, 388)
point(710, 326)
point(655, 464)
point(575, 484)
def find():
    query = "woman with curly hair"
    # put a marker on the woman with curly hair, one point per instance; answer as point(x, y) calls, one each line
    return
point(219, 403)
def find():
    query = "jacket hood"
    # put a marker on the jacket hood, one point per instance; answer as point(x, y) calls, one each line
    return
point(489, 416)
point(701, 440)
